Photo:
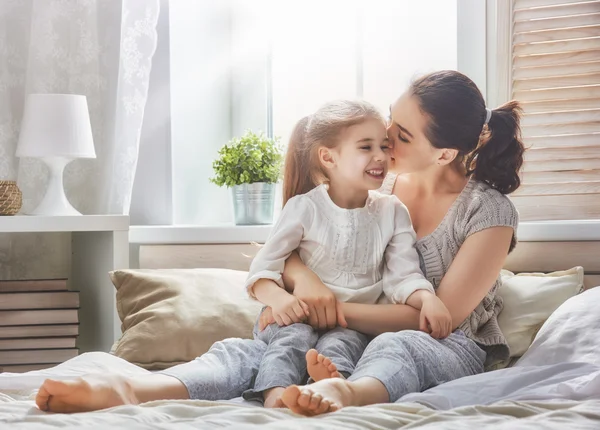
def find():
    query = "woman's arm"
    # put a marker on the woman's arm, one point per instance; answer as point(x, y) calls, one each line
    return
point(307, 286)
point(470, 277)
point(474, 271)
point(377, 319)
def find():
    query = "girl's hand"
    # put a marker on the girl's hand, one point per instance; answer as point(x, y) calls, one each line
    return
point(289, 310)
point(435, 318)
point(321, 301)
point(265, 319)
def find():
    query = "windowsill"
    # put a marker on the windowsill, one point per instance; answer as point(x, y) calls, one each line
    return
point(539, 231)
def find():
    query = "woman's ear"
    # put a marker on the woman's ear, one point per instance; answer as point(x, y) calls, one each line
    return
point(326, 158)
point(447, 156)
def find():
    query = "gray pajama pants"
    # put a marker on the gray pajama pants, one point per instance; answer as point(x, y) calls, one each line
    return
point(412, 361)
point(284, 361)
point(404, 362)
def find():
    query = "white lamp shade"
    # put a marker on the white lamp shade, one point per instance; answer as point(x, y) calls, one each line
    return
point(56, 125)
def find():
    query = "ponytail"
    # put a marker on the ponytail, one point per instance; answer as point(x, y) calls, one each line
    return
point(456, 117)
point(498, 158)
point(297, 178)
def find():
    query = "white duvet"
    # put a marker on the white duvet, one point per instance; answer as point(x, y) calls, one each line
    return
point(554, 386)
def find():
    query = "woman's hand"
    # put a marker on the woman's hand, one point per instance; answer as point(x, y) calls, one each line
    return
point(322, 304)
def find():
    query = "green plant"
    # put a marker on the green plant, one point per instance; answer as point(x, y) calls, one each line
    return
point(248, 159)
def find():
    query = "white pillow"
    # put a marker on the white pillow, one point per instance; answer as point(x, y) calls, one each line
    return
point(529, 299)
point(571, 334)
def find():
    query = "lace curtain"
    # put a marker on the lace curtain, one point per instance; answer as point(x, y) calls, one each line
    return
point(99, 48)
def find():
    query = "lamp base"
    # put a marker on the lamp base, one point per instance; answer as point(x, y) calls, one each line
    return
point(55, 202)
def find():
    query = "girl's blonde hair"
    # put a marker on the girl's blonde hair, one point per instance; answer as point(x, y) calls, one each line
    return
point(302, 169)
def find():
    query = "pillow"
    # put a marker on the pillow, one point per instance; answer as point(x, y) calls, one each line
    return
point(571, 334)
point(529, 299)
point(171, 316)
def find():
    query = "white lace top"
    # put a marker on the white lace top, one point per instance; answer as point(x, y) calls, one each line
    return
point(358, 253)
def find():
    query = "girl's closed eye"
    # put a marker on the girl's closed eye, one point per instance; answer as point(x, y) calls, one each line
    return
point(366, 147)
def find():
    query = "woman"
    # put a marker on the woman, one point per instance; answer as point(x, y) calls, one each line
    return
point(458, 161)
point(455, 173)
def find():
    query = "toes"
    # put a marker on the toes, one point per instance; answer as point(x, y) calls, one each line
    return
point(290, 396)
point(336, 374)
point(304, 399)
point(327, 362)
point(332, 368)
point(315, 402)
point(321, 358)
point(41, 399)
point(324, 407)
point(312, 356)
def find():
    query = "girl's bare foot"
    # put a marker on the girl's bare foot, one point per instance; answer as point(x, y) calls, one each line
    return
point(320, 367)
point(273, 397)
point(89, 393)
point(328, 395)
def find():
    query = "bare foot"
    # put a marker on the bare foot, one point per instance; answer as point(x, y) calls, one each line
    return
point(328, 395)
point(89, 393)
point(320, 367)
point(273, 397)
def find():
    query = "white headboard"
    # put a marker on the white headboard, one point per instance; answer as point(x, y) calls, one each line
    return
point(528, 256)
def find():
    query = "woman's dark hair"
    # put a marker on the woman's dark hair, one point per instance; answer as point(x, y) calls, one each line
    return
point(456, 109)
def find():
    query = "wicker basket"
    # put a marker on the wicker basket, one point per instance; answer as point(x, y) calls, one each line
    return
point(11, 198)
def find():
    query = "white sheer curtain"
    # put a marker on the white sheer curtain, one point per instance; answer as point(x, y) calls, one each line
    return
point(99, 48)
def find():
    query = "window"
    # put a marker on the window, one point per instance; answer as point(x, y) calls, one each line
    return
point(556, 76)
point(263, 64)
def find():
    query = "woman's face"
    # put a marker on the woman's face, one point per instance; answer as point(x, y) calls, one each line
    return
point(411, 151)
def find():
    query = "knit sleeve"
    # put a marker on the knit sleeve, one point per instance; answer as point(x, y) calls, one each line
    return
point(285, 237)
point(488, 209)
point(402, 275)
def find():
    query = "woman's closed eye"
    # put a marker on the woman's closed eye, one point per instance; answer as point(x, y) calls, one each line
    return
point(402, 138)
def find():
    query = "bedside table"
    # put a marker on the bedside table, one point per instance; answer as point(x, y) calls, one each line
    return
point(99, 244)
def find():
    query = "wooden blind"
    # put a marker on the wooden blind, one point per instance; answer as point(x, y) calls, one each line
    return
point(556, 76)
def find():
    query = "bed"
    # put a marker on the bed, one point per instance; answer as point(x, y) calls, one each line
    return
point(554, 385)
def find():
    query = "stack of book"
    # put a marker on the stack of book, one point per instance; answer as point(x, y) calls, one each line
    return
point(39, 324)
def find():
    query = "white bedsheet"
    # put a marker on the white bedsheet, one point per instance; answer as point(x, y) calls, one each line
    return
point(559, 396)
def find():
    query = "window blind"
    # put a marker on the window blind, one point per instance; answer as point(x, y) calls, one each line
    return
point(556, 77)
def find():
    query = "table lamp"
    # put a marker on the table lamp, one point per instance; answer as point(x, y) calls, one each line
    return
point(56, 128)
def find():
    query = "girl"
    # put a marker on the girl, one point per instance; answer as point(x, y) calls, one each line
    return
point(359, 242)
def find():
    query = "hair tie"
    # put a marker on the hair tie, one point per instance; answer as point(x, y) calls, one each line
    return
point(488, 115)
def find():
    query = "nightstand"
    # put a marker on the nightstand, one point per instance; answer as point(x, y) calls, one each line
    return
point(100, 244)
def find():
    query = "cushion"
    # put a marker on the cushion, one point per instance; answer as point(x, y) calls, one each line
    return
point(571, 334)
point(529, 299)
point(171, 316)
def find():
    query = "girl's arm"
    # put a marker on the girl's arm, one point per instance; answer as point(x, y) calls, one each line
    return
point(285, 237)
point(470, 277)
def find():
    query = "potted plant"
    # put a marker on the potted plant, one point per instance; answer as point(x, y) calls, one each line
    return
point(251, 166)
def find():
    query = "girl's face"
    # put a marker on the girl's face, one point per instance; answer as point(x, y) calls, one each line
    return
point(360, 160)
point(411, 151)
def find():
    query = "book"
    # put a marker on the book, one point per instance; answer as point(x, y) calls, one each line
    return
point(21, 368)
point(37, 300)
point(37, 356)
point(38, 343)
point(21, 331)
point(38, 317)
point(33, 285)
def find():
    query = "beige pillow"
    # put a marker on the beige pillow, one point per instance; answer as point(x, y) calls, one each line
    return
point(171, 316)
point(529, 299)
